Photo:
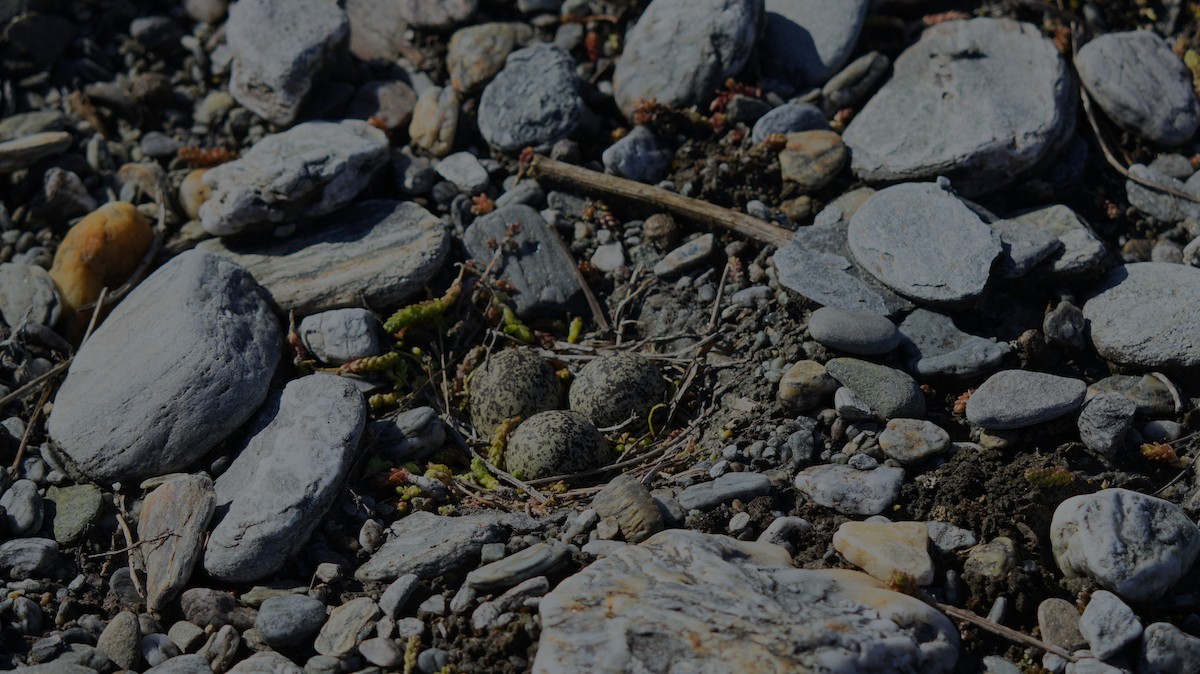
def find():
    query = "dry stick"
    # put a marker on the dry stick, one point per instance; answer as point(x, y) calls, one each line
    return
point(160, 537)
point(1001, 630)
point(130, 545)
point(36, 382)
point(694, 209)
point(593, 303)
point(37, 410)
point(716, 309)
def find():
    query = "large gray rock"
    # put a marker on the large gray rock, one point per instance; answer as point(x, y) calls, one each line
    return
point(383, 252)
point(681, 51)
point(280, 47)
point(924, 243)
point(1145, 314)
point(429, 545)
point(172, 524)
point(807, 41)
point(979, 101)
point(276, 491)
point(687, 601)
point(309, 170)
point(542, 274)
point(1020, 398)
point(533, 101)
point(890, 392)
point(1135, 545)
point(935, 347)
point(184, 360)
point(1141, 85)
point(857, 332)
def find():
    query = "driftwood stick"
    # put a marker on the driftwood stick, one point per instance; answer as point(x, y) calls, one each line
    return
point(693, 209)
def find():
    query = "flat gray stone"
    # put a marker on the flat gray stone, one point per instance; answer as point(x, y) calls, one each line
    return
point(1160, 205)
point(397, 594)
point(1129, 543)
point(287, 475)
point(280, 48)
point(980, 102)
point(476, 53)
point(28, 293)
point(1024, 246)
point(687, 601)
point(266, 662)
point(1166, 649)
point(28, 557)
point(74, 508)
point(686, 257)
point(1058, 619)
point(183, 664)
point(28, 123)
point(173, 523)
point(464, 170)
point(26, 151)
point(341, 335)
point(851, 491)
point(922, 242)
point(639, 155)
point(1109, 625)
point(533, 101)
point(1145, 314)
point(1139, 83)
point(1020, 398)
point(542, 274)
point(429, 545)
point(1104, 423)
point(789, 118)
point(730, 486)
point(409, 436)
point(681, 51)
point(436, 14)
point(383, 252)
point(807, 41)
point(935, 347)
point(890, 392)
point(913, 440)
point(290, 620)
point(1082, 253)
point(158, 385)
point(854, 83)
point(858, 332)
point(309, 170)
point(121, 640)
point(535, 560)
point(23, 510)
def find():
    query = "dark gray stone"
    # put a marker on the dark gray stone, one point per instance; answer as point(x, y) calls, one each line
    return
point(121, 640)
point(184, 360)
point(686, 257)
point(533, 101)
point(535, 560)
point(857, 332)
point(980, 102)
point(1020, 398)
point(1082, 254)
point(280, 49)
point(1145, 314)
point(285, 478)
point(1103, 424)
point(22, 508)
point(681, 51)
point(789, 118)
point(542, 274)
point(290, 620)
point(935, 347)
point(409, 436)
point(341, 335)
point(1141, 85)
point(855, 82)
point(924, 243)
point(1058, 619)
point(1065, 326)
point(807, 41)
point(1024, 246)
point(28, 557)
point(851, 491)
point(28, 293)
point(890, 392)
point(639, 156)
point(708, 495)
point(429, 545)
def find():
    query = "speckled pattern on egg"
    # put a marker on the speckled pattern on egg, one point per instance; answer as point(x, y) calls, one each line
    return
point(511, 383)
point(555, 443)
point(612, 387)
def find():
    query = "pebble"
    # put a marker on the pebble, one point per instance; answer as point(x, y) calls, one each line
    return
point(29, 123)
point(1058, 620)
point(935, 347)
point(555, 442)
point(24, 152)
point(1104, 423)
point(279, 49)
point(857, 332)
point(102, 250)
point(382, 652)
point(437, 15)
point(992, 561)
point(514, 382)
point(183, 664)
point(924, 243)
point(206, 11)
point(435, 120)
point(806, 41)
point(771, 617)
point(347, 626)
point(22, 509)
point(476, 53)
point(173, 523)
point(1166, 649)
point(542, 275)
point(1109, 625)
point(912, 440)
point(948, 538)
point(1024, 246)
point(1022, 398)
point(608, 257)
point(1161, 430)
point(193, 193)
point(533, 101)
point(886, 550)
point(428, 545)
point(535, 560)
point(627, 501)
point(1082, 254)
point(1129, 543)
point(186, 636)
point(489, 614)
point(638, 155)
point(812, 159)
point(1148, 392)
point(1065, 326)
point(1140, 84)
point(76, 507)
point(341, 335)
point(850, 87)
point(960, 115)
point(285, 477)
point(1160, 205)
point(851, 491)
point(388, 102)
point(309, 170)
point(411, 435)
point(851, 407)
point(396, 596)
point(121, 640)
point(789, 118)
point(207, 607)
point(708, 495)
point(681, 51)
point(159, 145)
point(158, 648)
point(433, 660)
point(465, 171)
point(290, 620)
point(160, 339)
point(685, 257)
point(379, 252)
point(890, 392)
point(266, 661)
point(1141, 314)
point(611, 389)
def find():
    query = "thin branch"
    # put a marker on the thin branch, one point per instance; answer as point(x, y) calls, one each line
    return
point(1001, 630)
point(593, 303)
point(163, 536)
point(37, 381)
point(33, 418)
point(716, 308)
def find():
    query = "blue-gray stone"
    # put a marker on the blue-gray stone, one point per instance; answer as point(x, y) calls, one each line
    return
point(1024, 245)
point(1158, 204)
point(1166, 649)
point(857, 332)
point(1145, 314)
point(22, 507)
point(890, 392)
point(789, 118)
point(708, 495)
point(935, 347)
point(1021, 398)
point(289, 620)
point(638, 156)
point(533, 101)
point(1103, 424)
point(807, 41)
point(851, 491)
point(1082, 253)
point(28, 557)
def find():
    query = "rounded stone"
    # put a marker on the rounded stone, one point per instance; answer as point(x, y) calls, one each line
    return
point(789, 118)
point(1145, 314)
point(812, 158)
point(289, 620)
point(612, 388)
point(533, 101)
point(858, 332)
point(1020, 398)
point(515, 382)
point(557, 442)
point(805, 384)
point(911, 440)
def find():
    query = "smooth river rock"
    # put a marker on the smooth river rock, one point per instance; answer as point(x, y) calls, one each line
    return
point(1145, 314)
point(533, 101)
point(1021, 398)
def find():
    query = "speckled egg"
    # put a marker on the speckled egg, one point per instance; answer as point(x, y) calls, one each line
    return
point(612, 387)
point(514, 382)
point(557, 442)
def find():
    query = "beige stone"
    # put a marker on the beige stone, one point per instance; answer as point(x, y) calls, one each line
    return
point(435, 121)
point(193, 193)
point(805, 384)
point(883, 549)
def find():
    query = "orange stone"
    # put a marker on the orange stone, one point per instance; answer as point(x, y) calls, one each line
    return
point(102, 250)
point(193, 193)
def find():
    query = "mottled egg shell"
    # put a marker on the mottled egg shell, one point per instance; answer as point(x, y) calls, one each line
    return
point(514, 382)
point(612, 387)
point(557, 442)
